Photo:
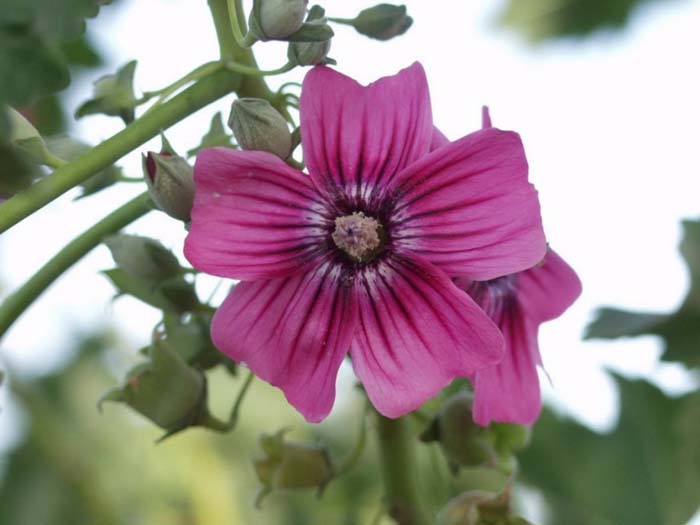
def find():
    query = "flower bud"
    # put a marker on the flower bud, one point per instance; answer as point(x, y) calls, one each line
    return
point(170, 182)
point(464, 509)
point(165, 390)
point(276, 19)
point(113, 95)
point(258, 126)
point(311, 53)
point(25, 137)
point(291, 465)
point(463, 442)
point(383, 21)
point(308, 53)
point(143, 258)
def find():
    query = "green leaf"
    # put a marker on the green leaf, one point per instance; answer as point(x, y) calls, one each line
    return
point(175, 295)
point(30, 32)
point(32, 68)
point(189, 337)
point(646, 472)
point(611, 323)
point(540, 20)
point(680, 331)
point(16, 173)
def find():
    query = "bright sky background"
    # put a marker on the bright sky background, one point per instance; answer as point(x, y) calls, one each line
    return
point(609, 125)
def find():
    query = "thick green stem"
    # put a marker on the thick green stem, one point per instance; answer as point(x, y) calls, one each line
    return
point(397, 460)
point(16, 303)
point(149, 125)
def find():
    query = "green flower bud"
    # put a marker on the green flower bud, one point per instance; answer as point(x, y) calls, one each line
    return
point(25, 137)
point(308, 53)
point(276, 19)
point(311, 53)
point(291, 465)
point(383, 21)
point(165, 390)
point(143, 258)
point(463, 442)
point(170, 182)
point(258, 126)
point(113, 95)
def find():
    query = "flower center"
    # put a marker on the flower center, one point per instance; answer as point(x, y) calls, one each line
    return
point(357, 235)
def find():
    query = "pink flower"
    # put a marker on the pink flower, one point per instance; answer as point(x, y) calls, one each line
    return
point(357, 256)
point(509, 392)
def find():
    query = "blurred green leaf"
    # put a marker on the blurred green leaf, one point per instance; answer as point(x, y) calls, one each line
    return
point(173, 295)
point(15, 172)
point(540, 20)
point(611, 323)
point(646, 472)
point(68, 149)
point(680, 330)
point(30, 32)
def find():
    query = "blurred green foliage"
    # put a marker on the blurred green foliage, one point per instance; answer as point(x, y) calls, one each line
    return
point(645, 472)
point(541, 20)
point(680, 331)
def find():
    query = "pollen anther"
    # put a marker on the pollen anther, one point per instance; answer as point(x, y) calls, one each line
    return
point(357, 235)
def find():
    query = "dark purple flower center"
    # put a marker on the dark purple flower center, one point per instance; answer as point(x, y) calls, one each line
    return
point(497, 296)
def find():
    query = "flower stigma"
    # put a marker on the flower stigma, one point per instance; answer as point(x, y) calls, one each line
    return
point(358, 236)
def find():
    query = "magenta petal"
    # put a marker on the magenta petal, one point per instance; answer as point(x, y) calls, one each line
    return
point(510, 391)
point(253, 217)
point(469, 208)
point(416, 332)
point(438, 139)
point(548, 289)
point(292, 332)
point(355, 136)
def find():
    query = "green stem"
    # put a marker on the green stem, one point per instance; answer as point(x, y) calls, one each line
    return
point(343, 21)
point(237, 25)
point(52, 161)
point(356, 453)
point(16, 303)
point(33, 198)
point(397, 459)
point(253, 71)
point(213, 423)
point(196, 74)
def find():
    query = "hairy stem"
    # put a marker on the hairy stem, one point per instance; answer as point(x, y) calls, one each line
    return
point(17, 302)
point(149, 125)
point(397, 461)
